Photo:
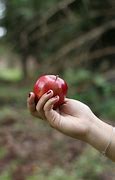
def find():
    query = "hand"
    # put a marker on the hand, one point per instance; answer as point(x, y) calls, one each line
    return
point(73, 118)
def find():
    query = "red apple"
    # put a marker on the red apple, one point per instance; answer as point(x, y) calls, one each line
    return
point(51, 82)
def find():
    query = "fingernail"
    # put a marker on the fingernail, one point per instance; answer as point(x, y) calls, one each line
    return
point(56, 97)
point(29, 94)
point(49, 92)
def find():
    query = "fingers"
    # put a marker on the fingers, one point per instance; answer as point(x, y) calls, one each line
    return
point(38, 110)
point(42, 101)
point(31, 102)
point(52, 115)
point(49, 104)
point(44, 108)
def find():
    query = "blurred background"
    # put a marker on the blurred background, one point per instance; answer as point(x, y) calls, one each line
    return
point(76, 40)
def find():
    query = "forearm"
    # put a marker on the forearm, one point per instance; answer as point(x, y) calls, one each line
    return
point(100, 135)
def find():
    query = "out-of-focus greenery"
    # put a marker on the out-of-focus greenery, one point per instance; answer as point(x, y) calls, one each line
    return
point(10, 74)
point(72, 38)
point(23, 129)
point(77, 33)
point(84, 85)
point(93, 89)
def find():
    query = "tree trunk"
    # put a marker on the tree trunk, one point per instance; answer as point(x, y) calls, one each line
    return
point(24, 67)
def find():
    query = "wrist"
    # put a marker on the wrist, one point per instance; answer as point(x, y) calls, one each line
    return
point(99, 134)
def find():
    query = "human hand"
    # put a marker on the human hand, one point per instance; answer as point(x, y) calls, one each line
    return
point(73, 118)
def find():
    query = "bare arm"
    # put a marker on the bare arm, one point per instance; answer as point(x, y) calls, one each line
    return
point(102, 137)
point(75, 119)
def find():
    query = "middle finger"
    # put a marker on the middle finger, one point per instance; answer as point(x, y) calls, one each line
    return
point(42, 101)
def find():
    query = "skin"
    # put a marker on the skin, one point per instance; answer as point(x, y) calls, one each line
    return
point(76, 120)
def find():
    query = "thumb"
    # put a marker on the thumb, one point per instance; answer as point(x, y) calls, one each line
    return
point(52, 115)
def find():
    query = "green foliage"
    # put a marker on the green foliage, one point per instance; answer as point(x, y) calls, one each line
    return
point(60, 35)
point(10, 74)
point(58, 31)
point(68, 19)
point(93, 89)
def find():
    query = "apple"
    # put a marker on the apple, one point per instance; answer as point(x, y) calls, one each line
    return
point(51, 82)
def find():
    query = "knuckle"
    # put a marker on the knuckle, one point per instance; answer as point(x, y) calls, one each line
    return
point(56, 122)
point(52, 123)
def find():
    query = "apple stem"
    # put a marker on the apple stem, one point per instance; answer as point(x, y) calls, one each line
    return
point(56, 77)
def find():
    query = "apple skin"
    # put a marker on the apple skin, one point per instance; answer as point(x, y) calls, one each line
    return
point(51, 82)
